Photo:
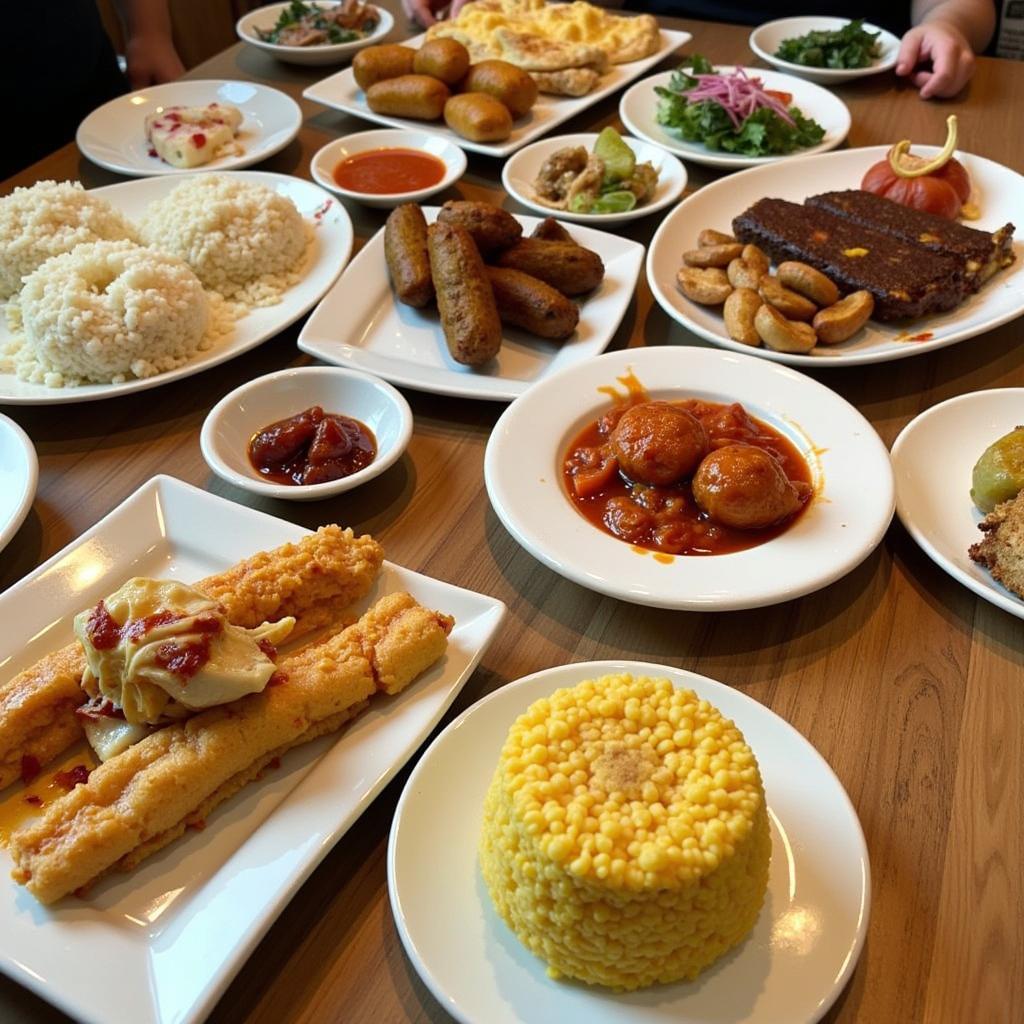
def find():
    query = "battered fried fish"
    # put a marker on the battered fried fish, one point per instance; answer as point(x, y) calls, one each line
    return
point(314, 580)
point(146, 796)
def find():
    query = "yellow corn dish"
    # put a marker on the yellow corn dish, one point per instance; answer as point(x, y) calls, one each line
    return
point(625, 837)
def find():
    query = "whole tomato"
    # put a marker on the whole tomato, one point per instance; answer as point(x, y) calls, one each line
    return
point(942, 193)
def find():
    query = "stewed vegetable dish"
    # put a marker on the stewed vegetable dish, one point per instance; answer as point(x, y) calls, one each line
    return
point(686, 478)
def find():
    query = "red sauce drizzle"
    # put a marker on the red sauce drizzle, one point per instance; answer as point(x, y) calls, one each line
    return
point(279, 678)
point(267, 648)
point(100, 707)
point(186, 659)
point(101, 629)
point(76, 776)
point(30, 768)
point(136, 629)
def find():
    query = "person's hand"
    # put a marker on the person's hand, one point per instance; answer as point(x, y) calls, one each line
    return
point(425, 11)
point(152, 60)
point(950, 54)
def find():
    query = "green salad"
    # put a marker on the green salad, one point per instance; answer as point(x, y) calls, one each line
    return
point(851, 46)
point(302, 24)
point(732, 112)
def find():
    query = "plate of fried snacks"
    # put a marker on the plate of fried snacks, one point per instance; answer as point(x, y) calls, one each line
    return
point(500, 74)
point(19, 474)
point(826, 50)
point(467, 299)
point(687, 478)
point(315, 33)
point(190, 719)
point(185, 126)
point(855, 257)
point(733, 116)
point(968, 515)
point(119, 289)
point(626, 843)
point(594, 178)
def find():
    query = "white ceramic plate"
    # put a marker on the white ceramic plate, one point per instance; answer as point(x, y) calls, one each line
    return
point(361, 324)
point(332, 246)
point(767, 38)
point(521, 170)
point(341, 92)
point(1001, 196)
point(847, 518)
point(309, 56)
point(638, 110)
point(933, 490)
point(114, 135)
point(179, 928)
point(326, 159)
point(232, 422)
point(19, 475)
point(791, 968)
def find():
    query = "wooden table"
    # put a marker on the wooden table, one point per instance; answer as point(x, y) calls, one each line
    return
point(910, 686)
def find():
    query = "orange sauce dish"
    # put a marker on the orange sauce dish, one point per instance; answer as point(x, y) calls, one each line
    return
point(389, 171)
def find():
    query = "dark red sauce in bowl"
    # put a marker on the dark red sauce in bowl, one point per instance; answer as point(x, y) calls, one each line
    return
point(389, 171)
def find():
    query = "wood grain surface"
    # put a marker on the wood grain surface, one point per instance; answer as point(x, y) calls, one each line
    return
point(910, 687)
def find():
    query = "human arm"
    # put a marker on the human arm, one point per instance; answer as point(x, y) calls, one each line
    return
point(425, 12)
point(149, 47)
point(946, 33)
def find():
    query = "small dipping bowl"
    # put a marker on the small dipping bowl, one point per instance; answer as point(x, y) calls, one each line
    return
point(327, 159)
point(233, 421)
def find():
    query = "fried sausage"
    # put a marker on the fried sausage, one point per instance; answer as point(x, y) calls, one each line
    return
point(377, 63)
point(524, 301)
point(550, 230)
point(490, 226)
point(566, 266)
point(478, 117)
point(405, 249)
point(417, 96)
point(505, 82)
point(469, 316)
point(446, 59)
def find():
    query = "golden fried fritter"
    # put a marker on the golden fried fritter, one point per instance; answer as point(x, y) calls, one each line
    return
point(1002, 549)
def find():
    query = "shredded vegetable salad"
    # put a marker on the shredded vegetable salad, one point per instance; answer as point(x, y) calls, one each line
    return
point(733, 112)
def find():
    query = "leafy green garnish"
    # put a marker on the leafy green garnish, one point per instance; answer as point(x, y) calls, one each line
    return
point(311, 15)
point(848, 47)
point(763, 133)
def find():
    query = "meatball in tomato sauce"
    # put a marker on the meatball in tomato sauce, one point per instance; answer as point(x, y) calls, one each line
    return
point(658, 443)
point(744, 487)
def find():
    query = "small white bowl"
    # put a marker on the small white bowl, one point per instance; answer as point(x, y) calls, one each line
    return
point(766, 39)
point(231, 423)
point(326, 159)
point(310, 56)
point(520, 171)
point(19, 475)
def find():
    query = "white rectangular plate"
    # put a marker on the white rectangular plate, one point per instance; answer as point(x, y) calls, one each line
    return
point(332, 246)
point(341, 92)
point(179, 928)
point(360, 323)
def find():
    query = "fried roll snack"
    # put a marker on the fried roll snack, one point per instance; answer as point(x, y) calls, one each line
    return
point(155, 786)
point(569, 267)
point(313, 580)
point(405, 251)
point(526, 302)
point(488, 225)
point(469, 316)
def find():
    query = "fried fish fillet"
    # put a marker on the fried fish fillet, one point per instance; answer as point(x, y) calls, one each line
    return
point(1002, 549)
point(315, 580)
point(156, 786)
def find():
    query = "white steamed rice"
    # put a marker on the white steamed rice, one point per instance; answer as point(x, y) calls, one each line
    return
point(241, 238)
point(48, 219)
point(107, 311)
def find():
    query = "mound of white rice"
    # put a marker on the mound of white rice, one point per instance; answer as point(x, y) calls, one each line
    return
point(242, 239)
point(109, 310)
point(51, 218)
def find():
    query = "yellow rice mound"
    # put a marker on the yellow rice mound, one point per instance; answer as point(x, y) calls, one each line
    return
point(625, 836)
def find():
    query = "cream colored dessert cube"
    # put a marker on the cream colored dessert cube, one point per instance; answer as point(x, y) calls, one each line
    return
point(192, 136)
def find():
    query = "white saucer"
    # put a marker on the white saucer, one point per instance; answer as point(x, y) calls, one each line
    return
point(800, 955)
point(766, 39)
point(114, 135)
point(520, 170)
point(933, 490)
point(19, 475)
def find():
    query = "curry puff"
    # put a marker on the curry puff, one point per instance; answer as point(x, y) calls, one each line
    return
point(185, 699)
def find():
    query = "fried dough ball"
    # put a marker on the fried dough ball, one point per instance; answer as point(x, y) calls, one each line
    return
point(744, 487)
point(658, 443)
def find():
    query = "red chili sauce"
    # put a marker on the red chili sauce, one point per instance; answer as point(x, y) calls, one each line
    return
point(389, 171)
point(312, 447)
point(667, 518)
